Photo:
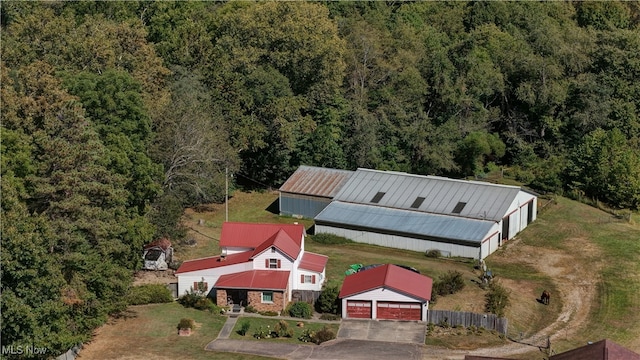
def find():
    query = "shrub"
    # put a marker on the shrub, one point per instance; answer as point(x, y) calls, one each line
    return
point(496, 299)
point(199, 302)
point(282, 330)
point(261, 333)
point(330, 239)
point(244, 328)
point(250, 309)
point(149, 294)
point(307, 335)
point(301, 309)
point(449, 283)
point(331, 317)
point(268, 313)
point(433, 253)
point(186, 324)
point(324, 334)
point(328, 301)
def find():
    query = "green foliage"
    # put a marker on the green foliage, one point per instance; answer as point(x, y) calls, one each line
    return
point(330, 239)
point(186, 324)
point(250, 309)
point(244, 328)
point(328, 301)
point(434, 253)
point(330, 317)
point(497, 299)
point(449, 283)
point(282, 330)
point(268, 313)
point(324, 334)
point(300, 309)
point(307, 335)
point(149, 294)
point(196, 300)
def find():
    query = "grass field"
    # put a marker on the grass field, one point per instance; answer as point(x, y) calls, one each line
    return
point(582, 244)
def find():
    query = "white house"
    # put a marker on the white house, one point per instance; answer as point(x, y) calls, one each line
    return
point(260, 264)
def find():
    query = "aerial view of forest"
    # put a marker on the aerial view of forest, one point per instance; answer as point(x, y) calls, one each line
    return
point(116, 116)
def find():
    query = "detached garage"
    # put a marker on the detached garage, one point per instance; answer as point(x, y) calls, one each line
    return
point(386, 292)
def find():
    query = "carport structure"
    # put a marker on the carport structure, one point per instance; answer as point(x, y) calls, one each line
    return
point(386, 292)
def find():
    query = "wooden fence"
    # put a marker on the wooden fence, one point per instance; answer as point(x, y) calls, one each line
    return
point(466, 319)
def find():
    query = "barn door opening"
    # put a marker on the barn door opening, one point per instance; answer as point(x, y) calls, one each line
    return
point(505, 228)
point(529, 212)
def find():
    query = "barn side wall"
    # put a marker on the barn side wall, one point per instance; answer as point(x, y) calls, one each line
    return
point(298, 205)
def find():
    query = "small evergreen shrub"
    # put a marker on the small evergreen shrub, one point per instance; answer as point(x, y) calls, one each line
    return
point(261, 333)
point(328, 301)
point(433, 253)
point(186, 324)
point(244, 328)
point(497, 299)
point(149, 294)
point(301, 309)
point(250, 309)
point(449, 283)
point(324, 334)
point(330, 239)
point(268, 313)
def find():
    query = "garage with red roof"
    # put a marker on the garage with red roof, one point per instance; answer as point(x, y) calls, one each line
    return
point(386, 292)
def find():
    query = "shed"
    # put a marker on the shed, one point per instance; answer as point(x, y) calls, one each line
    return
point(310, 189)
point(157, 255)
point(422, 213)
point(386, 292)
point(600, 350)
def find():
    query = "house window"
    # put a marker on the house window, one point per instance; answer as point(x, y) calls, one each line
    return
point(308, 279)
point(267, 297)
point(376, 199)
point(273, 263)
point(200, 286)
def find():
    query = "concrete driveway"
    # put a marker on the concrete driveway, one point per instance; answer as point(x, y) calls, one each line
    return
point(407, 332)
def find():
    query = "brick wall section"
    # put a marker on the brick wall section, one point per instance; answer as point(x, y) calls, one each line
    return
point(278, 305)
point(221, 297)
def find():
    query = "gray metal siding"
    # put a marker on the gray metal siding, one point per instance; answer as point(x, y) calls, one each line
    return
point(305, 206)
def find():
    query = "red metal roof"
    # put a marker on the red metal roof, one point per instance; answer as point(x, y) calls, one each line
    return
point(601, 350)
point(316, 181)
point(255, 280)
point(213, 262)
point(283, 242)
point(390, 277)
point(251, 235)
point(313, 262)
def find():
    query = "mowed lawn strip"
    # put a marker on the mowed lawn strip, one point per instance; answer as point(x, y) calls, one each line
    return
point(150, 332)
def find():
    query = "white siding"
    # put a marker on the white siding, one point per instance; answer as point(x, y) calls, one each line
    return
point(259, 261)
point(298, 285)
point(401, 242)
point(185, 280)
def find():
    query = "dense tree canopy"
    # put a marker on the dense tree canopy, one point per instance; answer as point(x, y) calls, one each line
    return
point(116, 115)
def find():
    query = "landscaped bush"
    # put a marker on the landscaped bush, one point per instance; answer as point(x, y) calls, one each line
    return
point(330, 239)
point(268, 313)
point(186, 324)
point(433, 253)
point(300, 309)
point(325, 334)
point(449, 283)
point(307, 335)
point(331, 317)
point(328, 301)
point(149, 294)
point(250, 309)
point(262, 333)
point(282, 330)
point(199, 302)
point(244, 328)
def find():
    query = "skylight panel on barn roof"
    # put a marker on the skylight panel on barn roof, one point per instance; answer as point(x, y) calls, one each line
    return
point(416, 204)
point(459, 207)
point(376, 199)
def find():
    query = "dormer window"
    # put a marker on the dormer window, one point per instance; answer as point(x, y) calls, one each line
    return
point(376, 199)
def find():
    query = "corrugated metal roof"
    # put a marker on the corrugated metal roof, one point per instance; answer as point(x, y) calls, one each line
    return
point(316, 181)
point(409, 222)
point(283, 242)
point(251, 235)
point(483, 200)
point(214, 262)
point(390, 277)
point(314, 262)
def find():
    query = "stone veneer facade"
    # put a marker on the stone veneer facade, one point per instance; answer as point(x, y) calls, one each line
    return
point(255, 300)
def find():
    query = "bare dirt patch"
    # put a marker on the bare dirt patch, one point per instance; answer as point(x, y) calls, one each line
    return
point(154, 277)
